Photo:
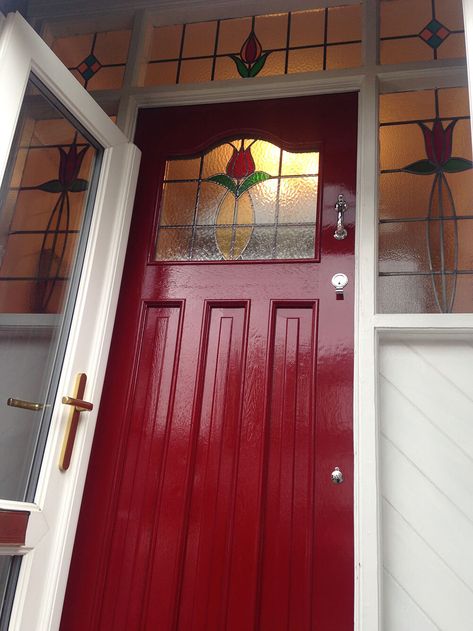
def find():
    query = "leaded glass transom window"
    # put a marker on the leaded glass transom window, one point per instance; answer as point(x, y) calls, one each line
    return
point(246, 199)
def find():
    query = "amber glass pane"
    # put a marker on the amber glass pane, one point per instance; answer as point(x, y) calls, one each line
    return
point(97, 60)
point(165, 42)
point(344, 24)
point(225, 69)
point(404, 17)
point(162, 73)
point(195, 71)
point(199, 39)
point(275, 65)
point(232, 34)
point(305, 60)
point(425, 201)
point(272, 31)
point(307, 28)
point(240, 204)
point(343, 56)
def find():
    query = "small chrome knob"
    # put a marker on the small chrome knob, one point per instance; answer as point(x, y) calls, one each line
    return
point(337, 476)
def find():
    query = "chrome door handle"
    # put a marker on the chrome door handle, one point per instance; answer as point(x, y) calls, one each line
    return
point(341, 208)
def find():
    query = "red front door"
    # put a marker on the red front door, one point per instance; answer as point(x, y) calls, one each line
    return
point(209, 504)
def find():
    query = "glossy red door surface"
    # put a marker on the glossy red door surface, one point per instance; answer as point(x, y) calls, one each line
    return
point(209, 504)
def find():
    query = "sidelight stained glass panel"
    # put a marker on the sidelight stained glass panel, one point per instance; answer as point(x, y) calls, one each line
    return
point(425, 202)
point(246, 199)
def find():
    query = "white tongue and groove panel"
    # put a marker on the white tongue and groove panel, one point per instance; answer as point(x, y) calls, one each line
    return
point(426, 481)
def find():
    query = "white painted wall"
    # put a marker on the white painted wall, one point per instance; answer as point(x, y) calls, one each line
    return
point(426, 481)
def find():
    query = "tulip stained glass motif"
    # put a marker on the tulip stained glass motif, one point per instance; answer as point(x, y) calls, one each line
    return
point(440, 162)
point(243, 200)
point(252, 58)
point(55, 240)
point(236, 206)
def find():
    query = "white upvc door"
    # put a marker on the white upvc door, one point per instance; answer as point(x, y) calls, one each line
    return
point(55, 502)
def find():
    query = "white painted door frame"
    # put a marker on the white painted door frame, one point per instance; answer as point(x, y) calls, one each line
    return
point(55, 510)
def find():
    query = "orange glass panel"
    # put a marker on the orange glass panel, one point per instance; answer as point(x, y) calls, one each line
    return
point(344, 24)
point(305, 60)
point(462, 140)
point(72, 50)
point(195, 70)
point(404, 17)
point(107, 79)
point(199, 39)
point(162, 73)
point(271, 31)
point(407, 106)
point(178, 204)
point(400, 145)
point(166, 42)
point(453, 47)
point(450, 13)
point(111, 47)
point(404, 195)
point(225, 69)
point(267, 156)
point(307, 28)
point(182, 169)
point(275, 64)
point(454, 102)
point(173, 244)
point(232, 34)
point(464, 295)
point(343, 56)
point(299, 163)
point(403, 247)
point(402, 50)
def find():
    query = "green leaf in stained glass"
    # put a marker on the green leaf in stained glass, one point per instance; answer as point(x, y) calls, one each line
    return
point(224, 180)
point(78, 186)
point(456, 165)
point(421, 167)
point(241, 66)
point(258, 65)
point(252, 180)
point(53, 186)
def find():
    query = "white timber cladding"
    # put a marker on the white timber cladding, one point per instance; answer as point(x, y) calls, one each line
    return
point(426, 486)
point(376, 606)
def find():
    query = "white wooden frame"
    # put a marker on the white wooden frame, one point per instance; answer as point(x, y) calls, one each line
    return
point(369, 81)
point(54, 512)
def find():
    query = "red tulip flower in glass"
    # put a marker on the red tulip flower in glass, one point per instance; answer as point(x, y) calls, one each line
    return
point(251, 59)
point(235, 213)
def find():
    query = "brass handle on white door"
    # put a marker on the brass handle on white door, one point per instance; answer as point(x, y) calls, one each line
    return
point(78, 405)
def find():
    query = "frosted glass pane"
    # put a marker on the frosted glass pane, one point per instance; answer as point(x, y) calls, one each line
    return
point(178, 204)
point(407, 106)
point(260, 245)
point(264, 198)
point(295, 242)
point(205, 246)
point(464, 294)
point(173, 244)
point(266, 156)
point(406, 294)
point(298, 200)
point(210, 198)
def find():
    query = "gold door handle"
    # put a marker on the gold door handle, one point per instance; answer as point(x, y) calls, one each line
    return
point(78, 405)
point(25, 405)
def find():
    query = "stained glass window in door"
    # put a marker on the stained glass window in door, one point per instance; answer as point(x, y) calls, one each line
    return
point(246, 199)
